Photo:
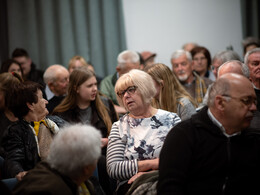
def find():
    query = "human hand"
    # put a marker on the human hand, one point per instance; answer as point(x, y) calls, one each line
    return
point(20, 175)
point(104, 142)
point(132, 179)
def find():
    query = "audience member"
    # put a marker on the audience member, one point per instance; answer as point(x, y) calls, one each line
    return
point(182, 67)
point(127, 60)
point(11, 65)
point(170, 95)
point(211, 153)
point(28, 67)
point(252, 60)
point(76, 62)
point(85, 105)
point(250, 43)
point(56, 78)
point(148, 57)
point(201, 60)
point(21, 147)
point(136, 139)
point(7, 80)
point(222, 57)
point(232, 66)
point(73, 156)
point(189, 46)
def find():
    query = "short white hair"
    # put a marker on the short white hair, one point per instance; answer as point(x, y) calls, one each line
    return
point(181, 52)
point(73, 148)
point(128, 56)
point(255, 50)
point(51, 72)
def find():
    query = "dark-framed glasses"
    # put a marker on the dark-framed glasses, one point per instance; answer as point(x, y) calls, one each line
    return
point(247, 101)
point(130, 90)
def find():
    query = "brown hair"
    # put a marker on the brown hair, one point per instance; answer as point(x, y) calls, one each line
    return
point(77, 77)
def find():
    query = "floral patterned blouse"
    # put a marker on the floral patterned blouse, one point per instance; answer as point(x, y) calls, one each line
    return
point(134, 139)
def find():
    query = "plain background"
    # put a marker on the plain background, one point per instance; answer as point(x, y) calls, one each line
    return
point(163, 26)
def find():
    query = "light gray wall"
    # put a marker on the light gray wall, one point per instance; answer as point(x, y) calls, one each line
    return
point(163, 26)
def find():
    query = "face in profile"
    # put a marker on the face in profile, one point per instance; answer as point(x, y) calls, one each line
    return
point(39, 108)
point(254, 65)
point(87, 91)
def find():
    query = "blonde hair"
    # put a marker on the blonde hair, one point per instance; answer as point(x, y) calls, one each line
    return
point(171, 91)
point(141, 80)
point(75, 58)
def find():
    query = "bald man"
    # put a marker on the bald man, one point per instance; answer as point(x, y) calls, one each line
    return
point(211, 153)
point(57, 79)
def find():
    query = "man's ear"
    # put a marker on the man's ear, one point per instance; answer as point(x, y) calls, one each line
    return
point(51, 85)
point(220, 102)
point(30, 106)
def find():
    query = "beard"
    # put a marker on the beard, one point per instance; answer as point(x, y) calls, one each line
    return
point(183, 78)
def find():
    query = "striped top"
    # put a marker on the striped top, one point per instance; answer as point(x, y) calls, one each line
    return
point(133, 139)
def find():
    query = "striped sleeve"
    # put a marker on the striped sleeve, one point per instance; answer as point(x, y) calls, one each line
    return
point(117, 167)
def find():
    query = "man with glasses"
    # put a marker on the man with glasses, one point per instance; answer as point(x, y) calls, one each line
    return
point(211, 153)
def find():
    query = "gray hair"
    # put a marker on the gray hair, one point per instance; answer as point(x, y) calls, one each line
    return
point(220, 87)
point(51, 72)
point(225, 56)
point(255, 50)
point(142, 80)
point(74, 148)
point(244, 68)
point(181, 52)
point(128, 56)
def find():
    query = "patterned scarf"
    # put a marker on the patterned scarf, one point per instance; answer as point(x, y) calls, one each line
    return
point(200, 89)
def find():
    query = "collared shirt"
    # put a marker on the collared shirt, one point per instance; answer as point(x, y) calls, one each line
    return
point(216, 122)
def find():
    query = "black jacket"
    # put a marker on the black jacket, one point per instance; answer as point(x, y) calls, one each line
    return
point(21, 153)
point(197, 158)
point(72, 116)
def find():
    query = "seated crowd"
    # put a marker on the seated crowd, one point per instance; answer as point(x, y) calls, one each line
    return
point(193, 128)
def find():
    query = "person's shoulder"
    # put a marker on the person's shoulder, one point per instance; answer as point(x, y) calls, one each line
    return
point(34, 179)
point(166, 115)
point(107, 78)
point(184, 101)
point(207, 81)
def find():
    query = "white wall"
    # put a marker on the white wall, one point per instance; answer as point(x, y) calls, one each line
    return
point(163, 26)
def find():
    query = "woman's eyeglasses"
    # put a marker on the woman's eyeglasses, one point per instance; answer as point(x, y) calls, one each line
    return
point(130, 90)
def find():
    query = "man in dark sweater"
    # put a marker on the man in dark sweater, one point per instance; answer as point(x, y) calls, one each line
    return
point(71, 162)
point(56, 78)
point(211, 153)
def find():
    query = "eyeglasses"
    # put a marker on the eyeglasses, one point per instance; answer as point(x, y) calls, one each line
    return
point(214, 68)
point(130, 90)
point(247, 101)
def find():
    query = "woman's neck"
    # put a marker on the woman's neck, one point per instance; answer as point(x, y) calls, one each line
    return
point(83, 104)
point(149, 112)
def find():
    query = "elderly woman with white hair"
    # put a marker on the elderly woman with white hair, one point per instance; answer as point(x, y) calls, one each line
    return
point(72, 159)
point(136, 140)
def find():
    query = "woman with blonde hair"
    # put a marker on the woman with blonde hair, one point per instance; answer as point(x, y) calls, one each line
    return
point(136, 139)
point(84, 104)
point(170, 96)
point(76, 62)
